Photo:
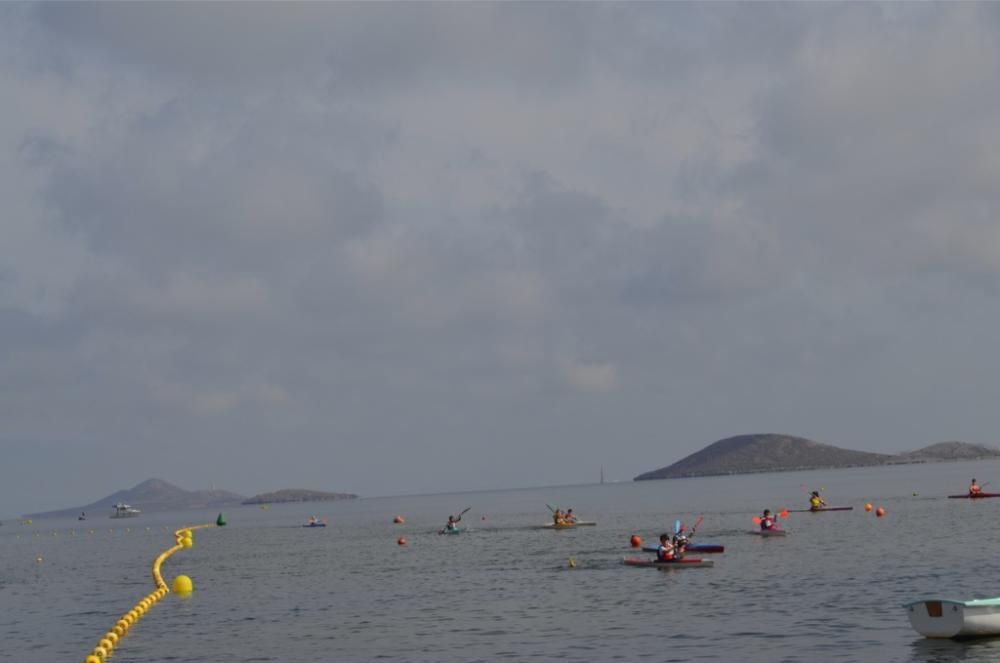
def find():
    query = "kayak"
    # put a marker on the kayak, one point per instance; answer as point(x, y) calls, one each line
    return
point(769, 532)
point(315, 525)
point(822, 508)
point(457, 530)
point(704, 548)
point(579, 523)
point(685, 563)
point(968, 496)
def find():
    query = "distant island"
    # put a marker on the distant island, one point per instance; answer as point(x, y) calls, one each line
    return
point(153, 495)
point(297, 495)
point(770, 452)
point(150, 496)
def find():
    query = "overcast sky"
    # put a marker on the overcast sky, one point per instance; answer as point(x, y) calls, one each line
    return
point(401, 248)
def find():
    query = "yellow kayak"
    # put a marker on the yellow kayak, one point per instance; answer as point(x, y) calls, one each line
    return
point(579, 523)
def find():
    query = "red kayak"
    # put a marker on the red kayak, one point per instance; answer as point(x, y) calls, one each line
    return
point(685, 563)
point(823, 508)
point(970, 496)
point(703, 548)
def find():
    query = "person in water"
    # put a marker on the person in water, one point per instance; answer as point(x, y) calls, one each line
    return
point(975, 488)
point(680, 542)
point(665, 551)
point(452, 523)
point(570, 517)
point(815, 501)
point(767, 521)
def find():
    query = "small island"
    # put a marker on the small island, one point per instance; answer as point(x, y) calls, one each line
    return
point(297, 495)
point(770, 452)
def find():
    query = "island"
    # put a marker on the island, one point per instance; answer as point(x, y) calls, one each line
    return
point(151, 495)
point(297, 495)
point(772, 452)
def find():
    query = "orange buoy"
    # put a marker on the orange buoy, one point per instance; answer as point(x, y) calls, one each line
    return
point(636, 541)
point(398, 520)
point(401, 541)
point(868, 506)
point(880, 512)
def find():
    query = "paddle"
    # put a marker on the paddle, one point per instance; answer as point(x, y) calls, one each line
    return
point(551, 508)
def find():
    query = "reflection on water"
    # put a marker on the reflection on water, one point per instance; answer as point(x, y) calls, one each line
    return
point(267, 589)
point(955, 651)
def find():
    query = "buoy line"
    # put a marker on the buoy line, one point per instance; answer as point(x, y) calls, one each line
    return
point(183, 538)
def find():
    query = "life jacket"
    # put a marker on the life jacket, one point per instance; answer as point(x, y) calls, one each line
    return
point(815, 502)
point(665, 553)
point(767, 523)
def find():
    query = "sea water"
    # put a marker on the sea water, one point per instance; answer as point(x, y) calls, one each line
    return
point(267, 589)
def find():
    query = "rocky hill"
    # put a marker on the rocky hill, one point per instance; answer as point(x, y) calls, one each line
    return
point(764, 453)
point(150, 496)
point(949, 451)
point(297, 495)
point(770, 452)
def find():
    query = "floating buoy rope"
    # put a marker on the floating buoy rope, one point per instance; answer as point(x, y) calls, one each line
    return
point(183, 538)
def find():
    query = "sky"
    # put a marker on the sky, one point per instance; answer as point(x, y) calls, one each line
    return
point(407, 248)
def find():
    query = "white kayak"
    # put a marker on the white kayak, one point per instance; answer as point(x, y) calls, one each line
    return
point(579, 523)
point(945, 618)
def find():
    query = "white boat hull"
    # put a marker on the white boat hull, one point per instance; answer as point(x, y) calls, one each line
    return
point(945, 618)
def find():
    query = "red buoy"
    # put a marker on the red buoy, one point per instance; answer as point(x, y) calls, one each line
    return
point(636, 541)
point(880, 512)
point(402, 541)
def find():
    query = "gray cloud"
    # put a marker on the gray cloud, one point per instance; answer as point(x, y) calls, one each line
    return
point(530, 239)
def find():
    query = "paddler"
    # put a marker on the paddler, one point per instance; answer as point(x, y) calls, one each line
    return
point(452, 523)
point(558, 518)
point(570, 517)
point(767, 521)
point(975, 490)
point(665, 551)
point(680, 542)
point(815, 501)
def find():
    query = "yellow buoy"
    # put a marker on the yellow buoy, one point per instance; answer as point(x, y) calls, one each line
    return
point(100, 652)
point(572, 563)
point(182, 585)
point(107, 644)
point(91, 659)
point(187, 542)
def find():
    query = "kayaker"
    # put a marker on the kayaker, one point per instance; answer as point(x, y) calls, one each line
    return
point(452, 523)
point(570, 517)
point(975, 488)
point(680, 542)
point(815, 501)
point(558, 518)
point(767, 521)
point(665, 551)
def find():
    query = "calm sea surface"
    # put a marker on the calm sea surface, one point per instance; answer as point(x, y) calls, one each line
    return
point(267, 589)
